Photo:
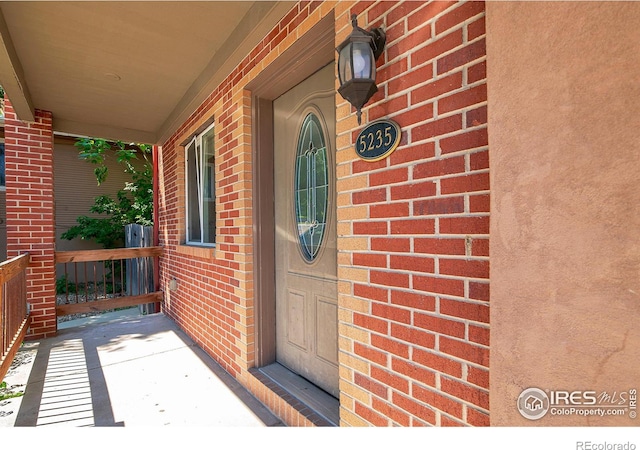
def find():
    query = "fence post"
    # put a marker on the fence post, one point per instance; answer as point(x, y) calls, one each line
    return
point(140, 270)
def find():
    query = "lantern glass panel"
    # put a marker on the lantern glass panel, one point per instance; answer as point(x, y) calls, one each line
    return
point(344, 64)
point(362, 60)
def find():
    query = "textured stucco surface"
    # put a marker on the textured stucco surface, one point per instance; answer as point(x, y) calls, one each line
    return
point(564, 130)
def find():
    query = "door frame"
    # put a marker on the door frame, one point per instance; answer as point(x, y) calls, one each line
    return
point(311, 52)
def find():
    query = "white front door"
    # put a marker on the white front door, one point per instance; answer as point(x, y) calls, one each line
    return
point(305, 236)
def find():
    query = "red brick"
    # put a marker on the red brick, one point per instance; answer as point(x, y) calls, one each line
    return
point(398, 209)
point(370, 228)
point(294, 24)
point(479, 377)
point(411, 263)
point(427, 13)
point(371, 292)
point(437, 127)
point(390, 345)
point(439, 325)
point(410, 334)
point(413, 371)
point(413, 407)
point(389, 278)
point(479, 335)
point(391, 244)
point(369, 196)
point(359, 165)
point(464, 225)
point(465, 268)
point(463, 99)
point(439, 167)
point(479, 203)
point(414, 115)
point(414, 190)
point(403, 10)
point(457, 16)
point(390, 379)
point(388, 108)
point(461, 57)
point(409, 81)
point(369, 260)
point(436, 48)
point(476, 117)
point(438, 401)
point(437, 363)
point(465, 141)
point(479, 291)
point(387, 177)
point(408, 42)
point(465, 310)
point(439, 206)
point(371, 416)
point(439, 246)
point(479, 160)
point(394, 34)
point(370, 385)
point(446, 421)
point(416, 152)
point(391, 313)
point(438, 285)
point(413, 226)
point(477, 418)
point(392, 413)
point(480, 247)
point(465, 392)
point(477, 72)
point(465, 350)
point(371, 323)
point(413, 300)
point(476, 29)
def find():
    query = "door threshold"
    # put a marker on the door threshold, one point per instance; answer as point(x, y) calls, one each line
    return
point(320, 408)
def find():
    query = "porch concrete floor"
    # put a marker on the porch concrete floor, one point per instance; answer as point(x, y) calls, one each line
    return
point(127, 370)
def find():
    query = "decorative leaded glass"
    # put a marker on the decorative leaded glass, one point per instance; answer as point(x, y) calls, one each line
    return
point(311, 188)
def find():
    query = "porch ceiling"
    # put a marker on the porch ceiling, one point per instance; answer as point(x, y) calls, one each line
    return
point(124, 70)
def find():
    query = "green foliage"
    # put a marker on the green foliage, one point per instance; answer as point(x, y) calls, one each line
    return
point(64, 286)
point(133, 203)
point(6, 393)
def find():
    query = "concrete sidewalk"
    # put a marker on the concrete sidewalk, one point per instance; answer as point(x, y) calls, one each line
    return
point(124, 369)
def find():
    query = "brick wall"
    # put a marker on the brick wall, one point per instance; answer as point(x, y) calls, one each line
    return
point(413, 228)
point(214, 295)
point(30, 211)
point(214, 299)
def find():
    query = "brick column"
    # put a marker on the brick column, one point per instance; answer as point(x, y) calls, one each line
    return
point(30, 212)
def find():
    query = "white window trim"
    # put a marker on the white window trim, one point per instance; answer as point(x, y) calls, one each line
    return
point(197, 140)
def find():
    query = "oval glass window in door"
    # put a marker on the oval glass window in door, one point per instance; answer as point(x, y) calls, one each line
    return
point(311, 187)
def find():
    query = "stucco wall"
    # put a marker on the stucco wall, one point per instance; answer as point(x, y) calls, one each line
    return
point(563, 90)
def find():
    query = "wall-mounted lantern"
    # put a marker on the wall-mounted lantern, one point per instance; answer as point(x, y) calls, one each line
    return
point(357, 64)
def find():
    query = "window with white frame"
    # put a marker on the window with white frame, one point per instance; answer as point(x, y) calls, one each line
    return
point(200, 188)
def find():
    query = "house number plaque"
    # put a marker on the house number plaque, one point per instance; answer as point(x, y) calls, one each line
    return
point(378, 140)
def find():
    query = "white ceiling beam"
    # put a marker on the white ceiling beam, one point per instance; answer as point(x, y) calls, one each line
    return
point(12, 77)
point(103, 131)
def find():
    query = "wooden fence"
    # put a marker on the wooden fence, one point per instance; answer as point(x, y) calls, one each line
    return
point(14, 314)
point(106, 285)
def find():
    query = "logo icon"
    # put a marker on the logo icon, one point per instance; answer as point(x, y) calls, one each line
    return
point(533, 403)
